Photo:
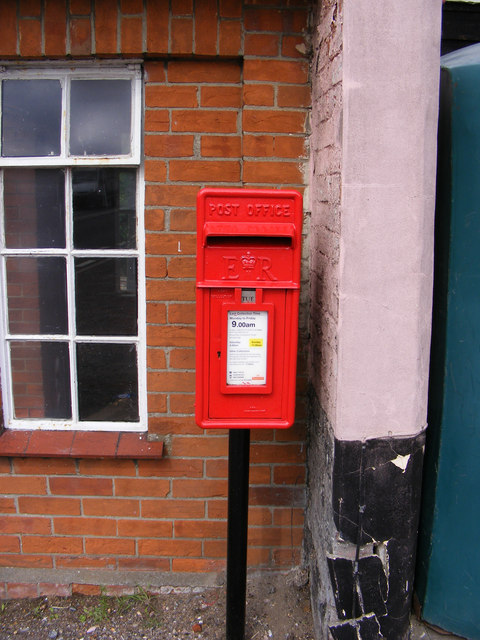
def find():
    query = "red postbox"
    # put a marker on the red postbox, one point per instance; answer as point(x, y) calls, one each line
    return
point(248, 282)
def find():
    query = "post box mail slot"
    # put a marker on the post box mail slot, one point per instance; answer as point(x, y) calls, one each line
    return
point(248, 282)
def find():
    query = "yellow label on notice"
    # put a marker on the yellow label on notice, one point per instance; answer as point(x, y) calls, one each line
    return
point(256, 342)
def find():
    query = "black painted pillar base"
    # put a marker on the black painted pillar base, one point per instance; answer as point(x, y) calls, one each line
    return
point(362, 559)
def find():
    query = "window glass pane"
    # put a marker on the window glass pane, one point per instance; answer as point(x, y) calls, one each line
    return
point(41, 380)
point(37, 295)
point(107, 382)
point(100, 112)
point(104, 214)
point(106, 296)
point(34, 206)
point(31, 117)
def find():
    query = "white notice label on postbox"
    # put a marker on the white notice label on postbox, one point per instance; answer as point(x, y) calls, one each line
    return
point(247, 347)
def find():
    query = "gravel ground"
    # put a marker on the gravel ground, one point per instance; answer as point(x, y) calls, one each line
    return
point(278, 608)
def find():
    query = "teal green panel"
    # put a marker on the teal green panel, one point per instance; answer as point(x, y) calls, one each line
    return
point(449, 551)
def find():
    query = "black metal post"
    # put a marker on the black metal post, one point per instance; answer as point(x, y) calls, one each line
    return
point(238, 470)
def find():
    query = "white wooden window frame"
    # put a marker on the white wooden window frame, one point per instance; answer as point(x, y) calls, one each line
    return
point(131, 72)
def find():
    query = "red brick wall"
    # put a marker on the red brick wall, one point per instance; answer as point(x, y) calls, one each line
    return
point(226, 99)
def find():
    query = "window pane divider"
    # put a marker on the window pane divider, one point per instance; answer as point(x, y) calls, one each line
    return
point(71, 294)
point(107, 339)
point(32, 337)
point(34, 252)
point(70, 161)
point(64, 337)
point(76, 253)
point(104, 253)
point(141, 300)
point(5, 363)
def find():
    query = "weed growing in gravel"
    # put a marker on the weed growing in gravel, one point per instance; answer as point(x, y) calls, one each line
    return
point(148, 608)
point(38, 610)
point(53, 613)
point(97, 613)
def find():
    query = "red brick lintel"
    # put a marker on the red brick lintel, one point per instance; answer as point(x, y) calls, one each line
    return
point(78, 444)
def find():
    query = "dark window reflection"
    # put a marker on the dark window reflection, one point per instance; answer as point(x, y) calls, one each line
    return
point(104, 208)
point(37, 295)
point(34, 208)
point(100, 117)
point(106, 296)
point(41, 380)
point(107, 382)
point(31, 117)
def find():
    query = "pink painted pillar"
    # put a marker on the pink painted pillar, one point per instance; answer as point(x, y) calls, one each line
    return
point(375, 97)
